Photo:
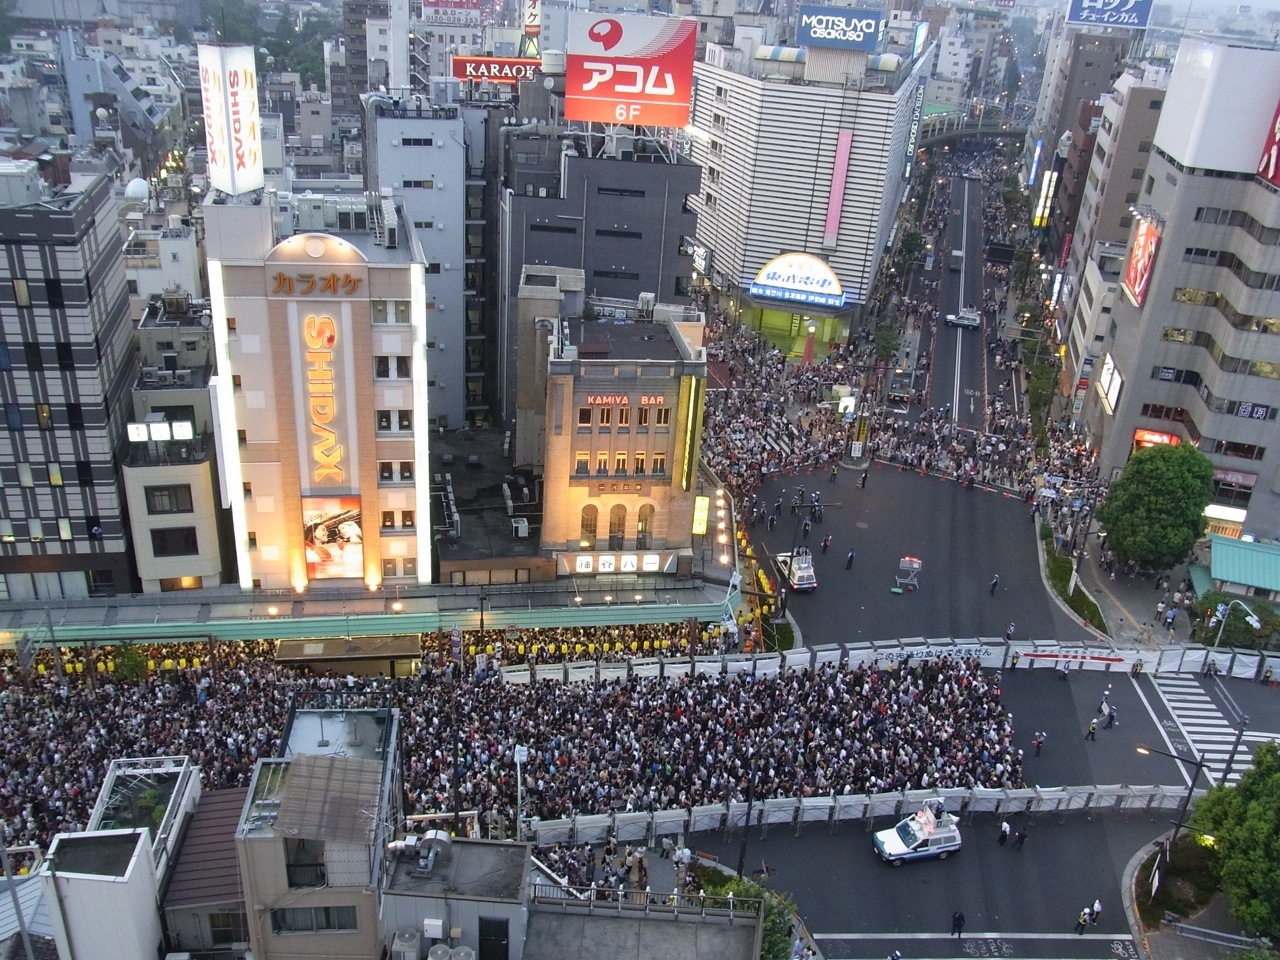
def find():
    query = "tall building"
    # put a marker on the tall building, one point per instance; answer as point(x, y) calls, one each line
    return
point(365, 56)
point(1192, 353)
point(319, 318)
point(803, 151)
point(1075, 154)
point(67, 364)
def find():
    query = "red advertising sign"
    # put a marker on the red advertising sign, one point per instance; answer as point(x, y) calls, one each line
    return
point(509, 70)
point(1269, 165)
point(1142, 260)
point(629, 69)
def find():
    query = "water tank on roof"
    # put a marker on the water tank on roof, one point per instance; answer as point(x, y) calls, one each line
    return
point(553, 63)
point(889, 62)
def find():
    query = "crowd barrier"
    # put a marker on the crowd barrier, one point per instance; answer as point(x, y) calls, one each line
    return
point(800, 812)
point(992, 652)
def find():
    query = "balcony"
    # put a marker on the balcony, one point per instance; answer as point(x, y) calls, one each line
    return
point(305, 875)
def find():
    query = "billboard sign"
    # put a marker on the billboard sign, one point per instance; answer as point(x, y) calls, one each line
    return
point(451, 13)
point(1142, 261)
point(921, 38)
point(917, 115)
point(531, 17)
point(507, 70)
point(798, 278)
point(840, 28)
point(630, 69)
point(1110, 13)
point(232, 129)
point(1269, 165)
point(1004, 4)
point(333, 538)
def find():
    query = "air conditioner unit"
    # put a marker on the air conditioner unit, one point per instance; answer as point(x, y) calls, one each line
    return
point(149, 374)
point(184, 377)
point(165, 378)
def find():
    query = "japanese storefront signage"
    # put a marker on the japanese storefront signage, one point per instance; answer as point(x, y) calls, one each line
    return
point(320, 284)
point(613, 561)
point(798, 278)
point(232, 130)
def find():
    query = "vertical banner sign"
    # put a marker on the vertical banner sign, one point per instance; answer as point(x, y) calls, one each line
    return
point(1142, 261)
point(630, 69)
point(531, 17)
point(232, 130)
point(1269, 165)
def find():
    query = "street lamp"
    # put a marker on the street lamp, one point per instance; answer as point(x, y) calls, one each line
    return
point(1251, 618)
point(1196, 761)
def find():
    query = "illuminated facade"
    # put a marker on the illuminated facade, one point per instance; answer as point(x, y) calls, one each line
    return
point(319, 315)
point(622, 395)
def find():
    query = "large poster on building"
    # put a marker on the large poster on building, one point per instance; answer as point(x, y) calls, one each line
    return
point(452, 13)
point(1142, 261)
point(1110, 13)
point(630, 69)
point(333, 537)
point(1269, 165)
point(841, 28)
point(232, 130)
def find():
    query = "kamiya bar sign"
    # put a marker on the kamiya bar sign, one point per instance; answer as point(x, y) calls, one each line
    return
point(320, 334)
point(621, 400)
point(505, 70)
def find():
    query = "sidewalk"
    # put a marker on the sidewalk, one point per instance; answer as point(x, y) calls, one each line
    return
point(1128, 604)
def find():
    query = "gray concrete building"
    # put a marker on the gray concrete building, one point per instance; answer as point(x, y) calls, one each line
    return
point(67, 364)
point(1192, 350)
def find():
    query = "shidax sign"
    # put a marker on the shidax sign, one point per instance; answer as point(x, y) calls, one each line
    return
point(840, 27)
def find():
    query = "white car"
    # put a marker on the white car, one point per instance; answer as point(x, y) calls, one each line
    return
point(798, 570)
point(922, 835)
point(965, 318)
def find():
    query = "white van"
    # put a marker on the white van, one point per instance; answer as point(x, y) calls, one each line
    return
point(926, 834)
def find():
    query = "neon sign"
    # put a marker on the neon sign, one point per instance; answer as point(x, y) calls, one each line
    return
point(321, 336)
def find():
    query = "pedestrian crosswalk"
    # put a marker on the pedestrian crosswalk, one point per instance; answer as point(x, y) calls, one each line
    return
point(1200, 725)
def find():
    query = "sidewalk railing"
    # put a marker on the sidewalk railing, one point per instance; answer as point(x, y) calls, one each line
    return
point(801, 812)
point(991, 652)
point(649, 903)
point(1217, 937)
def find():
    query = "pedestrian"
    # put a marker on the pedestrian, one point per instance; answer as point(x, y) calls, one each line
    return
point(1111, 717)
point(1008, 634)
point(848, 560)
point(1082, 921)
point(1170, 616)
point(957, 924)
point(667, 846)
point(834, 470)
point(1013, 660)
point(773, 519)
point(1092, 733)
point(1064, 672)
point(806, 527)
point(862, 480)
point(995, 584)
point(1038, 742)
point(1266, 675)
point(1095, 912)
point(1005, 830)
point(826, 542)
point(1019, 839)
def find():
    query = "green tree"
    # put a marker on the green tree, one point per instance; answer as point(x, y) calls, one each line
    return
point(1154, 513)
point(886, 342)
point(131, 663)
point(1246, 830)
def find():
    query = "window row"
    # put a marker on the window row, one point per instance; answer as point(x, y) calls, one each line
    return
point(393, 421)
point(1268, 236)
point(1222, 448)
point(621, 416)
point(55, 474)
point(43, 418)
point(624, 464)
point(389, 311)
point(589, 524)
point(33, 355)
point(36, 530)
point(383, 367)
point(390, 471)
point(1219, 301)
point(312, 919)
point(407, 520)
point(1245, 409)
point(1268, 369)
point(53, 293)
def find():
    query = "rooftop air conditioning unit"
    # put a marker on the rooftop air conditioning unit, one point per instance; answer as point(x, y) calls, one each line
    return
point(149, 374)
point(165, 378)
point(184, 377)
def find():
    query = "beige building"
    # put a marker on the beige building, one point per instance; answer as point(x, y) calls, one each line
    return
point(319, 317)
point(621, 392)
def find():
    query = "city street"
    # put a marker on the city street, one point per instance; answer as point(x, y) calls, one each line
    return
point(963, 537)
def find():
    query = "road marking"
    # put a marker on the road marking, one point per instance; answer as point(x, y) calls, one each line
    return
point(967, 936)
point(955, 387)
point(1164, 735)
point(1206, 730)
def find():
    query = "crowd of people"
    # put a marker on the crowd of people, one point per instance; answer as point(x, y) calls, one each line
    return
point(640, 745)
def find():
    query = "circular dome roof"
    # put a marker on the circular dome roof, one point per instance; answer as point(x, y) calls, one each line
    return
point(136, 189)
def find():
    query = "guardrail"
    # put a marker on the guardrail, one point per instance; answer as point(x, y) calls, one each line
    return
point(649, 903)
point(1217, 937)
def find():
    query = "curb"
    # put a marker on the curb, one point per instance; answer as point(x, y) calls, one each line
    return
point(1128, 898)
point(1053, 594)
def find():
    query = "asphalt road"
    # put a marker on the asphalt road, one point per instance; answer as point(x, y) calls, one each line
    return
point(962, 537)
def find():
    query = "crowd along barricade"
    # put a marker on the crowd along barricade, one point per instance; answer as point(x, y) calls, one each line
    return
point(580, 671)
point(618, 670)
point(649, 828)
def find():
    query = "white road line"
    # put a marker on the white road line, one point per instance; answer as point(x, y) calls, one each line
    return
point(1164, 735)
point(968, 935)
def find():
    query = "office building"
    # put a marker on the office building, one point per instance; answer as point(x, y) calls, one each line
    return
point(319, 314)
point(67, 364)
point(1192, 352)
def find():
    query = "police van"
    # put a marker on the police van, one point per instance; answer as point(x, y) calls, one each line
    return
point(928, 833)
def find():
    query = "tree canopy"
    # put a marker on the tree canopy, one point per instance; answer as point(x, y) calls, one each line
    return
point(1246, 831)
point(1154, 513)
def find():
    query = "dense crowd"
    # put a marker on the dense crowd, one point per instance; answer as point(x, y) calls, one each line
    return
point(639, 745)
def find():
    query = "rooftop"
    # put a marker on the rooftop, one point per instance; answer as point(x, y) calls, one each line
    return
point(206, 869)
point(611, 338)
point(485, 869)
point(314, 797)
point(360, 734)
point(97, 854)
point(1245, 562)
point(554, 935)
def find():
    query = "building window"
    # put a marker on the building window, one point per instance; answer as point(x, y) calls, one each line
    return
point(84, 473)
point(659, 464)
point(64, 528)
point(639, 464)
point(409, 565)
point(35, 359)
point(407, 520)
point(644, 527)
point(383, 420)
point(602, 464)
point(13, 416)
point(25, 476)
point(312, 919)
point(225, 928)
point(606, 416)
point(389, 568)
point(174, 542)
point(175, 498)
point(35, 529)
point(584, 416)
point(21, 293)
point(664, 417)
point(405, 419)
point(624, 416)
point(6, 532)
point(406, 470)
point(385, 471)
point(55, 474)
point(53, 292)
point(587, 527)
point(44, 416)
point(388, 519)
point(620, 464)
point(582, 463)
point(642, 417)
point(403, 371)
point(617, 526)
point(382, 368)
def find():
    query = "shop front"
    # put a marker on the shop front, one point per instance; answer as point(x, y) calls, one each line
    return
point(799, 304)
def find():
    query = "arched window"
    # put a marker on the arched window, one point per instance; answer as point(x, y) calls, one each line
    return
point(617, 526)
point(587, 529)
point(644, 527)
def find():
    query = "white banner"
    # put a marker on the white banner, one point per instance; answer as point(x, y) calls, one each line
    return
point(798, 658)
point(705, 818)
point(816, 809)
point(782, 810)
point(631, 826)
point(1245, 664)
